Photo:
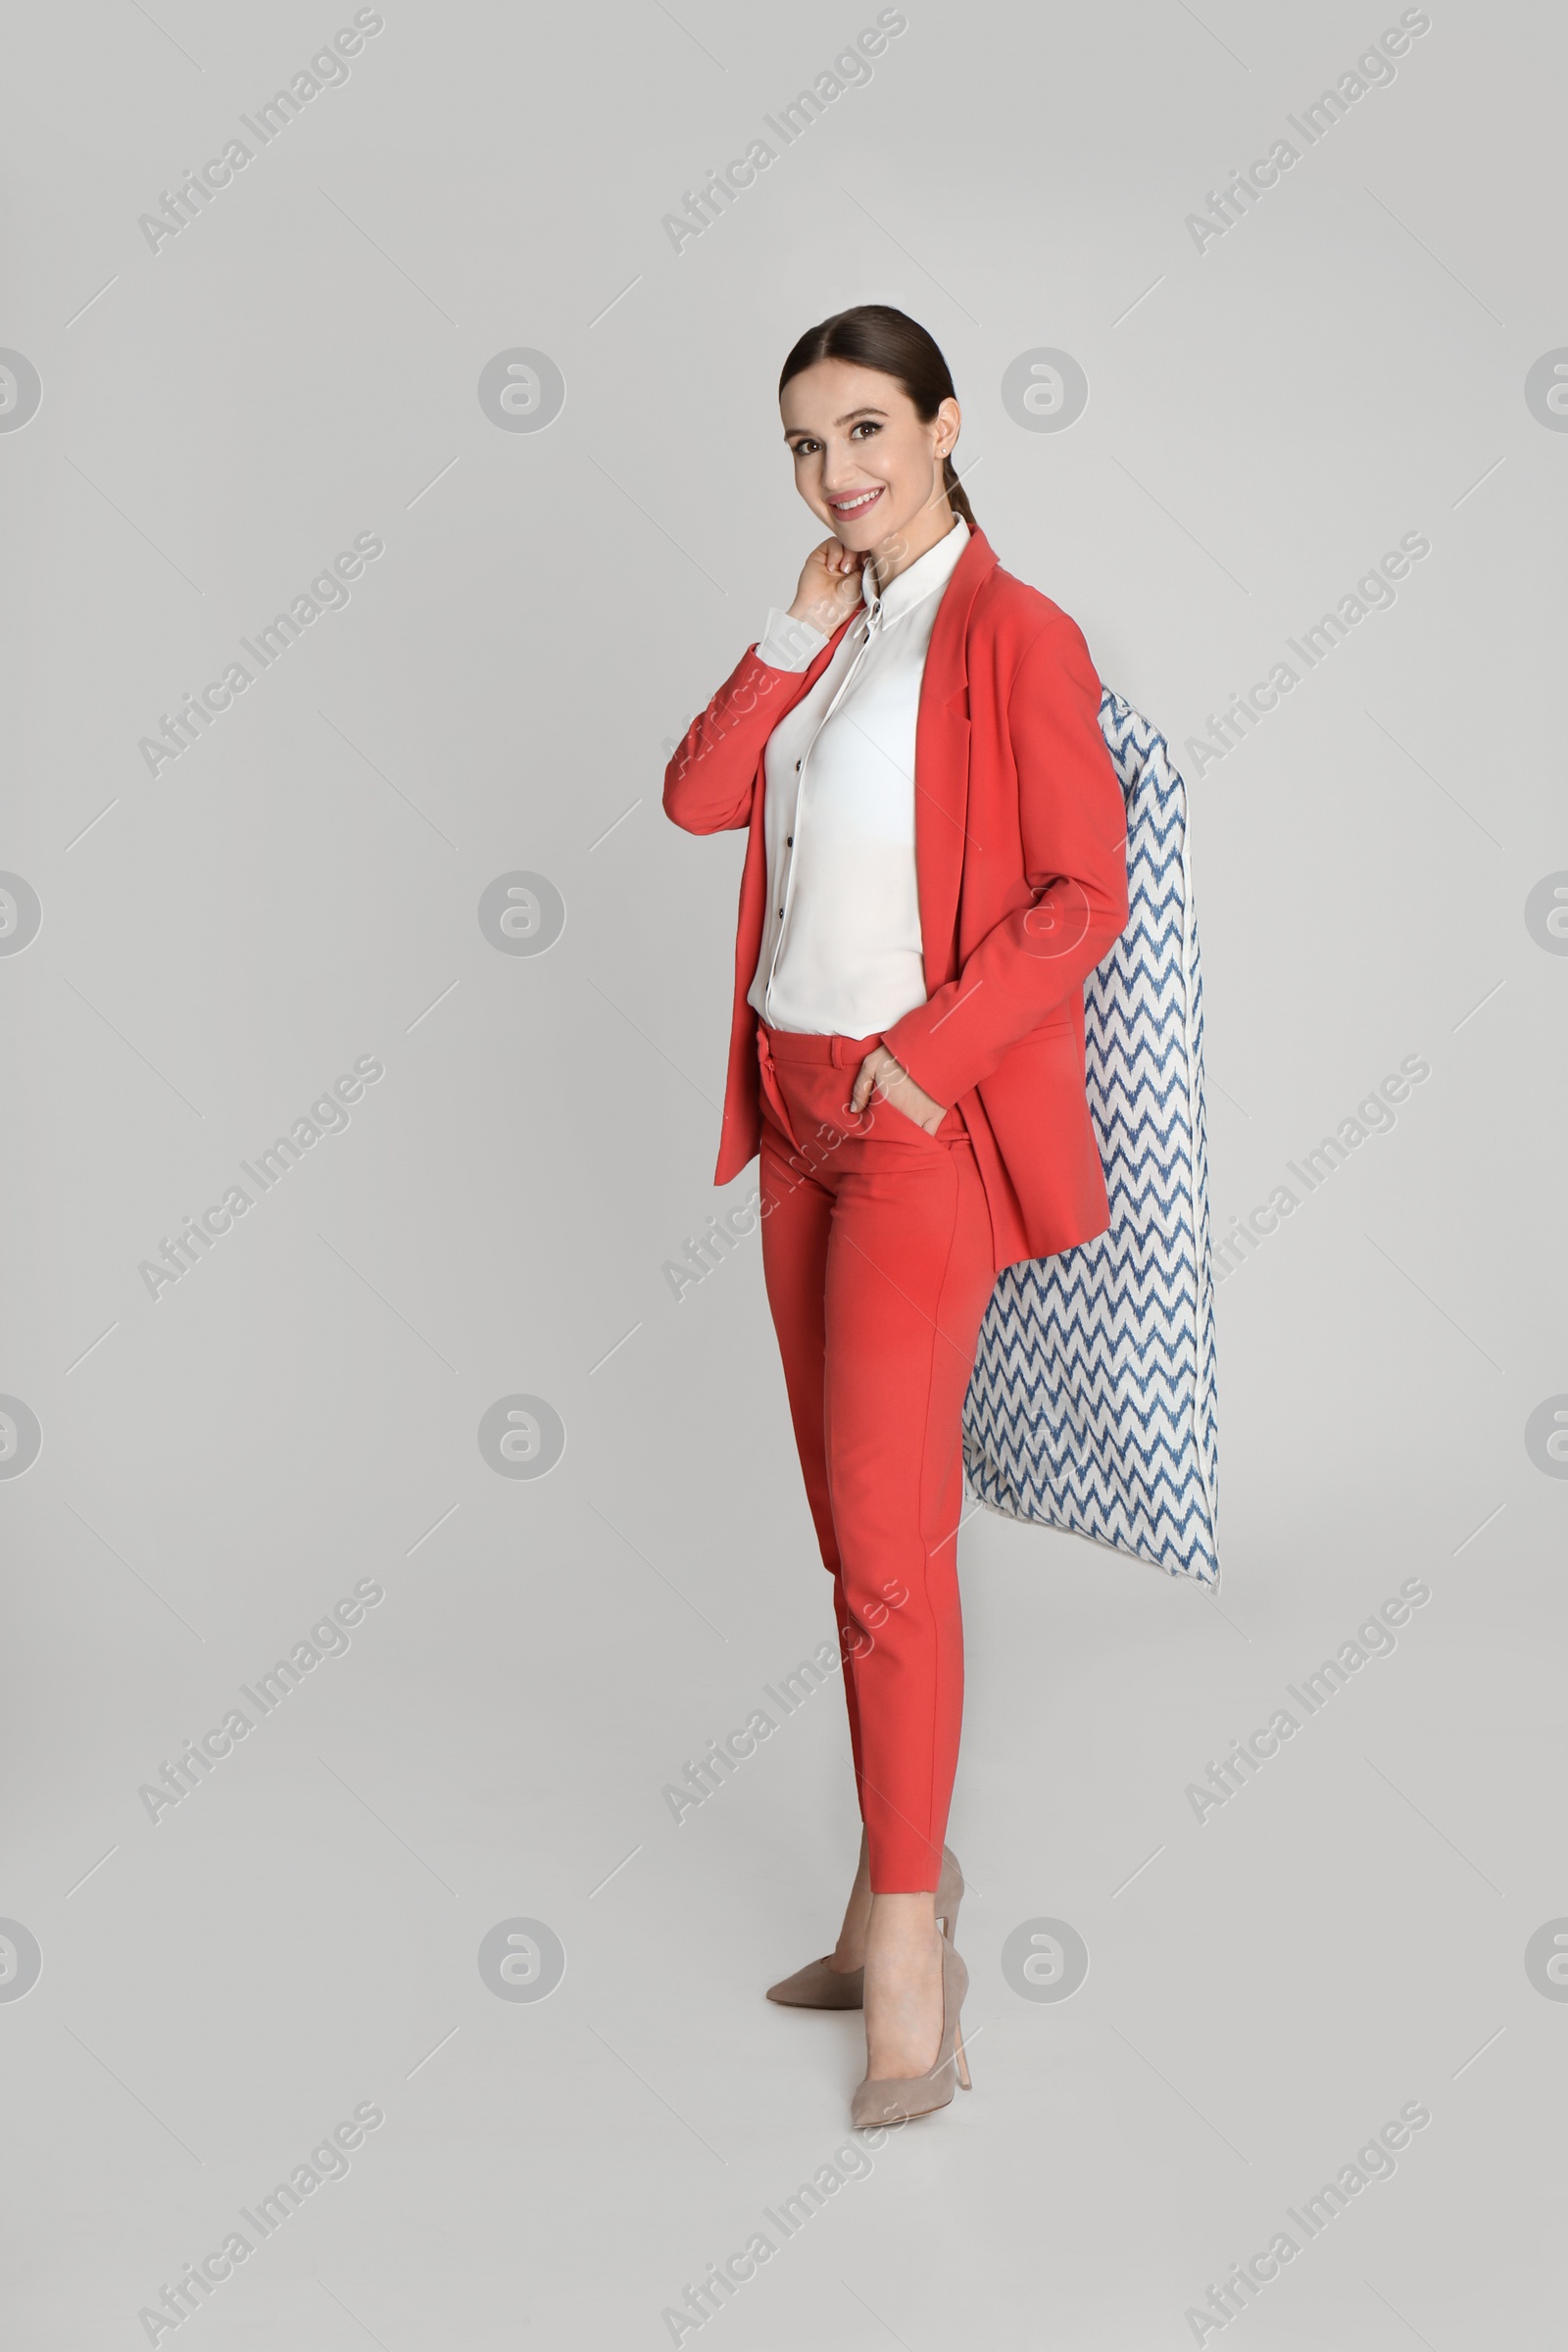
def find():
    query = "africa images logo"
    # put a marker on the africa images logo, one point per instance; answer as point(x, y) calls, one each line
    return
point(327, 69)
point(850, 69)
point(1373, 70)
point(328, 593)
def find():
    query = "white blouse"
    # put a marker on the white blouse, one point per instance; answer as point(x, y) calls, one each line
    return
point(841, 950)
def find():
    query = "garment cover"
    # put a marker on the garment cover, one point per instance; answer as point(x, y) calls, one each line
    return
point(1092, 1406)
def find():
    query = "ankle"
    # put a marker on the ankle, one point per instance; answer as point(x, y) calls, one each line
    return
point(903, 1918)
point(914, 1951)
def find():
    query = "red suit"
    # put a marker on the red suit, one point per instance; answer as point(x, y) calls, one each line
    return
point(880, 1247)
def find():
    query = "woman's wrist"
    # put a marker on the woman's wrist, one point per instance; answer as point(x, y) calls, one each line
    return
point(814, 613)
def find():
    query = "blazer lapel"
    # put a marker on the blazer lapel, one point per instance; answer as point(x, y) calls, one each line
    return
point(942, 764)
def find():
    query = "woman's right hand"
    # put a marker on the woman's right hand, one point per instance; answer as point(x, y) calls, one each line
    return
point(830, 586)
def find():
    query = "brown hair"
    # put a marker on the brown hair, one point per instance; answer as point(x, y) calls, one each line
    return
point(875, 335)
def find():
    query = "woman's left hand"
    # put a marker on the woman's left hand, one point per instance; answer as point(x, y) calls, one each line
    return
point(880, 1073)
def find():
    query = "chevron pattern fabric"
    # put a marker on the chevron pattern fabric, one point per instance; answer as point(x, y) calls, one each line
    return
point(1092, 1406)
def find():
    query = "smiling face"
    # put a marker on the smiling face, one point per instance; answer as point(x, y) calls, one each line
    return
point(866, 463)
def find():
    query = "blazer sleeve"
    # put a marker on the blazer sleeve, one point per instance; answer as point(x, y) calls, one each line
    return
point(709, 782)
point(1073, 900)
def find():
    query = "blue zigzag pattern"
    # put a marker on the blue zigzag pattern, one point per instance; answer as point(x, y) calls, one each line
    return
point(1092, 1406)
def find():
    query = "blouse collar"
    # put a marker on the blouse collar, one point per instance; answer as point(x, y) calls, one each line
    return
point(925, 576)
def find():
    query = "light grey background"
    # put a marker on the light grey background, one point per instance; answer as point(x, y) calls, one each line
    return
point(300, 1412)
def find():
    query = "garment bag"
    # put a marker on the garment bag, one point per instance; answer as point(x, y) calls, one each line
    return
point(1092, 1405)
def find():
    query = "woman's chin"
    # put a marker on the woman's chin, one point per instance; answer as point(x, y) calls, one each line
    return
point(872, 538)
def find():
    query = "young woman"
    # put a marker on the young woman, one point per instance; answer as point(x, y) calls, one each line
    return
point(936, 860)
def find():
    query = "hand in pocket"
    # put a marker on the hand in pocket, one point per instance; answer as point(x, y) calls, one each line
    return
point(881, 1074)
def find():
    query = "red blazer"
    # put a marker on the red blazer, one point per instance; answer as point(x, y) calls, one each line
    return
point(1021, 861)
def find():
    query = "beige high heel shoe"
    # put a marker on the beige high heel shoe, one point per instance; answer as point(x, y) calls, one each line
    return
point(820, 1985)
point(897, 2099)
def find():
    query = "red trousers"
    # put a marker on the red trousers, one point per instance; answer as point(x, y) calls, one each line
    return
point(877, 1253)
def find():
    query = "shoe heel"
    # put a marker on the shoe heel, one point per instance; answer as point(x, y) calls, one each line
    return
point(961, 2062)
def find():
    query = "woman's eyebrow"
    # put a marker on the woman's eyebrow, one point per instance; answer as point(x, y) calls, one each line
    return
point(845, 420)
